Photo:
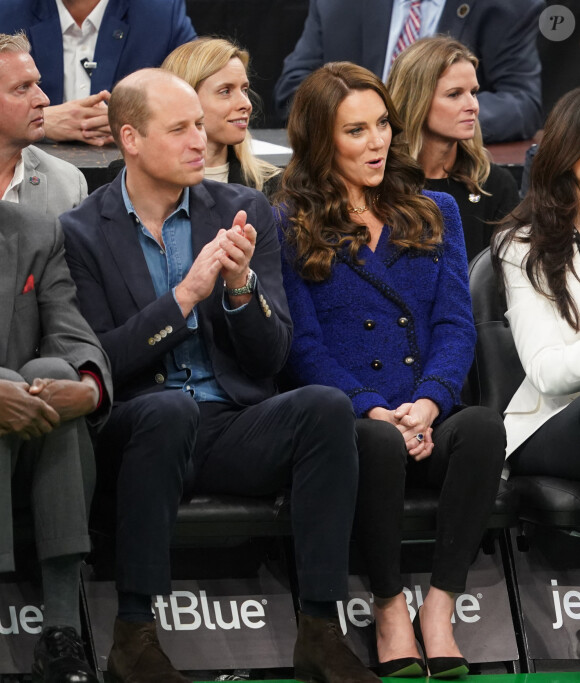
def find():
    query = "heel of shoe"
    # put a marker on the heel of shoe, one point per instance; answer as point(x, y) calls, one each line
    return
point(440, 667)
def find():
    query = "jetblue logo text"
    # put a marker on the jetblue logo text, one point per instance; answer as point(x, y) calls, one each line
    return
point(358, 612)
point(184, 611)
point(569, 604)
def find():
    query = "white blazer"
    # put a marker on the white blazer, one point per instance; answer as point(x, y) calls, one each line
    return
point(549, 350)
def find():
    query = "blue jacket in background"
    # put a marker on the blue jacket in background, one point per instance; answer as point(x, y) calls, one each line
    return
point(134, 34)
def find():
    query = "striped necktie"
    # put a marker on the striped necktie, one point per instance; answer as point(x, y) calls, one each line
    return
point(411, 29)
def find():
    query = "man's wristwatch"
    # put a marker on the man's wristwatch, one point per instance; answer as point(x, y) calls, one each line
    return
point(248, 288)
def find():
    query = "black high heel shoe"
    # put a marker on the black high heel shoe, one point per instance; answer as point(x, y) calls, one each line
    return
point(440, 667)
point(403, 667)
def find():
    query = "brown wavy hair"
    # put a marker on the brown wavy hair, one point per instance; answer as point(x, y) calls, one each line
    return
point(412, 82)
point(314, 195)
point(549, 210)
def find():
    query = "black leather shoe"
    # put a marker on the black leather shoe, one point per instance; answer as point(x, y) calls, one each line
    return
point(440, 667)
point(59, 657)
point(322, 655)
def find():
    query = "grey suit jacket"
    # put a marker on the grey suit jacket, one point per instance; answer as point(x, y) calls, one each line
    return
point(50, 185)
point(501, 33)
point(43, 321)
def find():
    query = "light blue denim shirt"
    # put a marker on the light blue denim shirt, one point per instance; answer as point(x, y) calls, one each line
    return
point(188, 364)
point(431, 11)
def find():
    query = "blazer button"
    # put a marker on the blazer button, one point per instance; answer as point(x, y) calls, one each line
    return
point(409, 360)
point(402, 321)
point(159, 378)
point(369, 324)
point(436, 259)
point(376, 365)
point(151, 341)
point(157, 337)
point(169, 329)
point(163, 333)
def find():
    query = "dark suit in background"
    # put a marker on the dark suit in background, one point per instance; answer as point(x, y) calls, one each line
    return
point(501, 33)
point(134, 34)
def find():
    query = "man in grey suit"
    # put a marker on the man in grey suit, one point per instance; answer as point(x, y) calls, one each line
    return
point(27, 174)
point(53, 373)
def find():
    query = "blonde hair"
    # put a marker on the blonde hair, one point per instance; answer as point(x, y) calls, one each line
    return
point(197, 60)
point(18, 42)
point(412, 82)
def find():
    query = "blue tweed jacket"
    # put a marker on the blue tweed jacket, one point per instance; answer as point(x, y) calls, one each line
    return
point(394, 329)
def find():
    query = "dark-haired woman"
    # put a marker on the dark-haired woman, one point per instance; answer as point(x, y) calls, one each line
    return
point(538, 250)
point(376, 278)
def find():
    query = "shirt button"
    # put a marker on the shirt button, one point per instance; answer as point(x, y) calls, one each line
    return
point(159, 378)
point(436, 259)
point(369, 324)
point(183, 365)
point(409, 360)
point(402, 321)
point(376, 365)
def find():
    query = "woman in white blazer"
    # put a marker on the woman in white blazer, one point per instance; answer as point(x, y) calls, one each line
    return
point(538, 250)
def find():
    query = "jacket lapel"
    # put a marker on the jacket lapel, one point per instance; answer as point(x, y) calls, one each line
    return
point(376, 22)
point(46, 39)
point(8, 273)
point(454, 17)
point(34, 189)
point(110, 45)
point(120, 234)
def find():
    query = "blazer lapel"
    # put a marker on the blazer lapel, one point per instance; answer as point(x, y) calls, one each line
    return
point(120, 234)
point(46, 39)
point(34, 189)
point(376, 22)
point(8, 274)
point(454, 16)
point(205, 224)
point(110, 45)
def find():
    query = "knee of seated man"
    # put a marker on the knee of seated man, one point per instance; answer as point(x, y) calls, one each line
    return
point(171, 409)
point(323, 403)
point(53, 368)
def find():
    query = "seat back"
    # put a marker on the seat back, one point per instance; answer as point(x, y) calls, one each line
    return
point(496, 372)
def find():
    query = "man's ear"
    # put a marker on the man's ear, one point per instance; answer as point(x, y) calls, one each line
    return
point(129, 138)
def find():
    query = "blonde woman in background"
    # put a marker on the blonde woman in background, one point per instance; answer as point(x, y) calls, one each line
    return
point(433, 84)
point(217, 69)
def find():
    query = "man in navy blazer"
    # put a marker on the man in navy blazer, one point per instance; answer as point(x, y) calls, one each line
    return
point(161, 260)
point(501, 33)
point(133, 34)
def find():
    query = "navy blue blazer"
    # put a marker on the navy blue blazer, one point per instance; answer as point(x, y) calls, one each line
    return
point(117, 297)
point(502, 33)
point(134, 34)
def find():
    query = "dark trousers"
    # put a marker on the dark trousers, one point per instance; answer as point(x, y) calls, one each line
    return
point(465, 466)
point(303, 439)
point(552, 449)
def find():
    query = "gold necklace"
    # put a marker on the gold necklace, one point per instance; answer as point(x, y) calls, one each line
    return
point(358, 209)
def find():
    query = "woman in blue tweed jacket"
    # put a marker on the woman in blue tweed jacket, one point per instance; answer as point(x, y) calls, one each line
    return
point(376, 277)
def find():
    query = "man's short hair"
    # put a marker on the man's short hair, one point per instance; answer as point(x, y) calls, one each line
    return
point(128, 105)
point(18, 42)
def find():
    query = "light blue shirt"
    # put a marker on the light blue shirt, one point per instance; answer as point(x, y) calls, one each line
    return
point(431, 11)
point(188, 364)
